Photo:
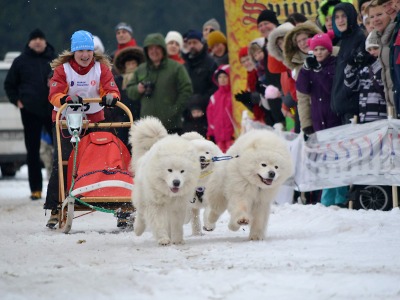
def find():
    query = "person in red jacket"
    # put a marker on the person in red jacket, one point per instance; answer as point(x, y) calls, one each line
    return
point(78, 73)
point(124, 36)
point(219, 111)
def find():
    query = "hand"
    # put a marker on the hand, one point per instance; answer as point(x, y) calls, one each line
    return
point(260, 87)
point(71, 99)
point(109, 100)
point(244, 97)
point(311, 63)
point(361, 58)
point(307, 132)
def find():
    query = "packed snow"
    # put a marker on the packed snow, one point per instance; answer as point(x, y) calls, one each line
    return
point(311, 252)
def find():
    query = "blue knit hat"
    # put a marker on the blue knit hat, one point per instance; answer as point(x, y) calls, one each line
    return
point(193, 34)
point(82, 40)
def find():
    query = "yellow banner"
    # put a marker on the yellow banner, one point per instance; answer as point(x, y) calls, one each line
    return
point(241, 23)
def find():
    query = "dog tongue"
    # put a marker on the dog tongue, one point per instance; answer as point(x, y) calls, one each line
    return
point(174, 189)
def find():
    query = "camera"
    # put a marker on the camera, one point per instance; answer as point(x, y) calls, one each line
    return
point(148, 88)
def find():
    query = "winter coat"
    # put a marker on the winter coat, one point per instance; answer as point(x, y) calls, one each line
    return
point(27, 80)
point(219, 112)
point(318, 85)
point(384, 41)
point(368, 82)
point(172, 87)
point(293, 57)
point(345, 101)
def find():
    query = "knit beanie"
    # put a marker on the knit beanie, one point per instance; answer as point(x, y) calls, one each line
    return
point(124, 26)
point(243, 52)
point(174, 36)
point(216, 37)
point(268, 15)
point(321, 39)
point(371, 40)
point(36, 33)
point(82, 40)
point(194, 34)
point(213, 23)
point(360, 3)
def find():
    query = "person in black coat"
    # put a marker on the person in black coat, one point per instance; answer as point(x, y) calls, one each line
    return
point(26, 87)
point(343, 100)
point(200, 66)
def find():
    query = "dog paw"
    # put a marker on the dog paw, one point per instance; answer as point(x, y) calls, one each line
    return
point(255, 237)
point(208, 228)
point(180, 242)
point(164, 242)
point(243, 221)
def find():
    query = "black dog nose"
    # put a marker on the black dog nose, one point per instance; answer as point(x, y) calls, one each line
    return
point(271, 174)
point(176, 182)
point(202, 158)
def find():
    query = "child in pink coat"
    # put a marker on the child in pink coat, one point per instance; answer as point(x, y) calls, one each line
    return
point(219, 110)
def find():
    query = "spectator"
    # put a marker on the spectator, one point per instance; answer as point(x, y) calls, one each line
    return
point(394, 57)
point(218, 45)
point(174, 41)
point(198, 119)
point(325, 12)
point(388, 7)
point(81, 64)
point(315, 80)
point(266, 22)
point(200, 66)
point(381, 13)
point(363, 74)
point(362, 15)
point(162, 85)
point(124, 36)
point(219, 111)
point(295, 46)
point(344, 101)
point(125, 64)
point(247, 62)
point(288, 84)
point(26, 87)
point(210, 26)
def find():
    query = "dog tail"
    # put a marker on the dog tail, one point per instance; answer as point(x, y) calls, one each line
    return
point(143, 135)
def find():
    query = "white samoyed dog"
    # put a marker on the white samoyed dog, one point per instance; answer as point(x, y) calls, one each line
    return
point(165, 178)
point(247, 184)
point(206, 150)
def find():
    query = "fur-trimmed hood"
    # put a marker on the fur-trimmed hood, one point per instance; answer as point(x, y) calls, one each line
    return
point(290, 49)
point(278, 32)
point(126, 54)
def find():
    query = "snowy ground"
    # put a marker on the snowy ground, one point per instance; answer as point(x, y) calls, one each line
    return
point(311, 252)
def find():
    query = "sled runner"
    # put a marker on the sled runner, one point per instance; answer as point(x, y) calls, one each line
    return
point(96, 176)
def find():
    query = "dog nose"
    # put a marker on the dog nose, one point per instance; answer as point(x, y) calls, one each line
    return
point(271, 174)
point(176, 182)
point(202, 158)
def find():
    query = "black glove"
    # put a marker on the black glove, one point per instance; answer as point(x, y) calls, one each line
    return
point(361, 58)
point(71, 99)
point(307, 132)
point(311, 63)
point(248, 98)
point(260, 87)
point(245, 98)
point(109, 100)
